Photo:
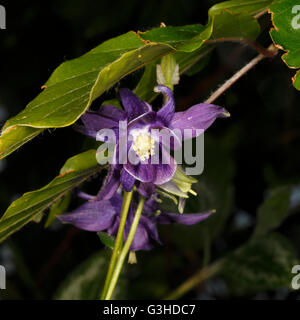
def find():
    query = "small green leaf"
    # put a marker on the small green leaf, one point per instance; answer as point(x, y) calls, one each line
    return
point(144, 89)
point(286, 33)
point(273, 211)
point(76, 170)
point(106, 239)
point(58, 208)
point(265, 263)
point(87, 280)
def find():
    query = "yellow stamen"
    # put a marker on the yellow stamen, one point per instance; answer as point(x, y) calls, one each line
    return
point(143, 145)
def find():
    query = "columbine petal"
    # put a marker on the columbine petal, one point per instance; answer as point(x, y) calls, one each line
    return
point(155, 173)
point(92, 216)
point(199, 116)
point(110, 185)
point(165, 170)
point(127, 180)
point(151, 228)
point(142, 172)
point(85, 196)
point(141, 239)
point(187, 219)
point(166, 113)
point(146, 189)
point(106, 117)
point(112, 112)
point(167, 137)
point(133, 106)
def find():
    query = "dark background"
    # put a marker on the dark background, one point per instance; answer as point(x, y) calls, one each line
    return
point(256, 149)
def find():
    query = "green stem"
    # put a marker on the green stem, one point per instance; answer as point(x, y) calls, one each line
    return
point(196, 279)
point(119, 240)
point(125, 249)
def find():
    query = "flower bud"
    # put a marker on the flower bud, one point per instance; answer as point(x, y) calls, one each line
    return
point(180, 185)
point(167, 72)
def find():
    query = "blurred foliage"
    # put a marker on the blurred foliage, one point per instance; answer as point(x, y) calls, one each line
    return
point(261, 264)
point(80, 284)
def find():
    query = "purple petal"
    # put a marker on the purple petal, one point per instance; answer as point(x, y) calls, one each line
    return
point(127, 180)
point(132, 104)
point(85, 196)
point(167, 137)
point(187, 219)
point(112, 112)
point(146, 189)
point(166, 113)
point(110, 185)
point(83, 130)
point(151, 227)
point(141, 239)
point(151, 205)
point(199, 116)
point(142, 172)
point(166, 169)
point(154, 173)
point(113, 230)
point(106, 117)
point(91, 216)
point(146, 119)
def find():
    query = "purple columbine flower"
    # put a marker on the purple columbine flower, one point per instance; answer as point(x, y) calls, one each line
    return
point(104, 215)
point(141, 119)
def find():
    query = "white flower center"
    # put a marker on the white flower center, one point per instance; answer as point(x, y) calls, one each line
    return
point(143, 145)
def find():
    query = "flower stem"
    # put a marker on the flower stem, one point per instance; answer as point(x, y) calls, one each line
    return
point(196, 279)
point(119, 239)
point(125, 249)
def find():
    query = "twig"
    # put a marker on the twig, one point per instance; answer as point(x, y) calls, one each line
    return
point(196, 279)
point(258, 15)
point(239, 74)
point(260, 49)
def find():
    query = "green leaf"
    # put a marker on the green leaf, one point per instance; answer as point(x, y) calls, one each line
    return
point(273, 211)
point(15, 137)
point(60, 206)
point(144, 89)
point(87, 280)
point(199, 65)
point(106, 239)
point(265, 263)
point(75, 84)
point(286, 33)
point(76, 170)
point(250, 7)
